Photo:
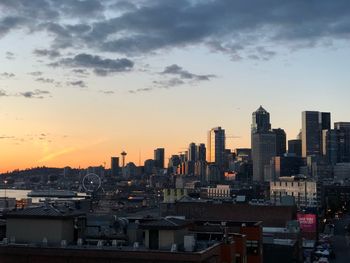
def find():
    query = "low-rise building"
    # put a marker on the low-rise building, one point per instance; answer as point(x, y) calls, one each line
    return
point(304, 192)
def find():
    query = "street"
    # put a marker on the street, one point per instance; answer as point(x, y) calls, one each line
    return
point(341, 249)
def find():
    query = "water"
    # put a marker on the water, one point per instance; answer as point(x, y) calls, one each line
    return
point(19, 194)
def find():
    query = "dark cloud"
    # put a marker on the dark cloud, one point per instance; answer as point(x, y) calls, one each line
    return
point(3, 93)
point(36, 73)
point(36, 94)
point(237, 28)
point(77, 83)
point(10, 55)
point(48, 81)
point(80, 71)
point(45, 80)
point(140, 90)
point(100, 66)
point(184, 74)
point(169, 83)
point(47, 53)
point(7, 75)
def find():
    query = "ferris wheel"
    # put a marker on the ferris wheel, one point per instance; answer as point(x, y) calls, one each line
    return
point(91, 183)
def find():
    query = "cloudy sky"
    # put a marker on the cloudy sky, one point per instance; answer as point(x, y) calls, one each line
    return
point(81, 81)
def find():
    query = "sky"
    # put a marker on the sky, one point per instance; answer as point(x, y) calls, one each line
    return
point(81, 81)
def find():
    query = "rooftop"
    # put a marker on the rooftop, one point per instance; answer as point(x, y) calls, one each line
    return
point(45, 211)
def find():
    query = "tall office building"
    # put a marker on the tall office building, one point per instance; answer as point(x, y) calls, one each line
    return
point(281, 141)
point(263, 143)
point(261, 121)
point(330, 146)
point(343, 141)
point(201, 152)
point(313, 123)
point(294, 148)
point(159, 158)
point(263, 150)
point(216, 146)
point(192, 156)
point(115, 166)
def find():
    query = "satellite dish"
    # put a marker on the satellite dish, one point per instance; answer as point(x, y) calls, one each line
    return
point(91, 183)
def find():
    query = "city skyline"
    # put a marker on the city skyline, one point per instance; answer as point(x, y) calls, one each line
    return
point(138, 158)
point(90, 83)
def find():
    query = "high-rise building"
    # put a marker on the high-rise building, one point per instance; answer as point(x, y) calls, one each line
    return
point(286, 165)
point(294, 148)
point(263, 149)
point(281, 141)
point(159, 158)
point(261, 121)
point(201, 152)
point(313, 123)
point(216, 147)
point(263, 143)
point(330, 146)
point(343, 141)
point(115, 166)
point(192, 155)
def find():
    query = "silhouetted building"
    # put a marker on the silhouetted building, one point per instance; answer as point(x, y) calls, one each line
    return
point(261, 121)
point(343, 141)
point(216, 146)
point(295, 148)
point(115, 166)
point(201, 152)
point(263, 143)
point(281, 141)
point(159, 158)
point(244, 153)
point(192, 156)
point(330, 146)
point(313, 123)
point(149, 166)
point(286, 165)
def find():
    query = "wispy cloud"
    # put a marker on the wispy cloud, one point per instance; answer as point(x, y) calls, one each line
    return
point(54, 155)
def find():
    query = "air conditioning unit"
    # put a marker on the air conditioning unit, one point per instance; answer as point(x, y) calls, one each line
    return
point(173, 248)
point(12, 240)
point(63, 243)
point(189, 243)
point(79, 242)
point(100, 244)
point(44, 242)
point(136, 245)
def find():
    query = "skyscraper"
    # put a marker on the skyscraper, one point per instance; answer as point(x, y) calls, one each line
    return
point(263, 143)
point(159, 158)
point(281, 141)
point(192, 155)
point(294, 147)
point(330, 146)
point(216, 146)
point(263, 150)
point(201, 152)
point(343, 141)
point(313, 123)
point(261, 121)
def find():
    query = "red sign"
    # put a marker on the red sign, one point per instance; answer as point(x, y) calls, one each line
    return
point(307, 222)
